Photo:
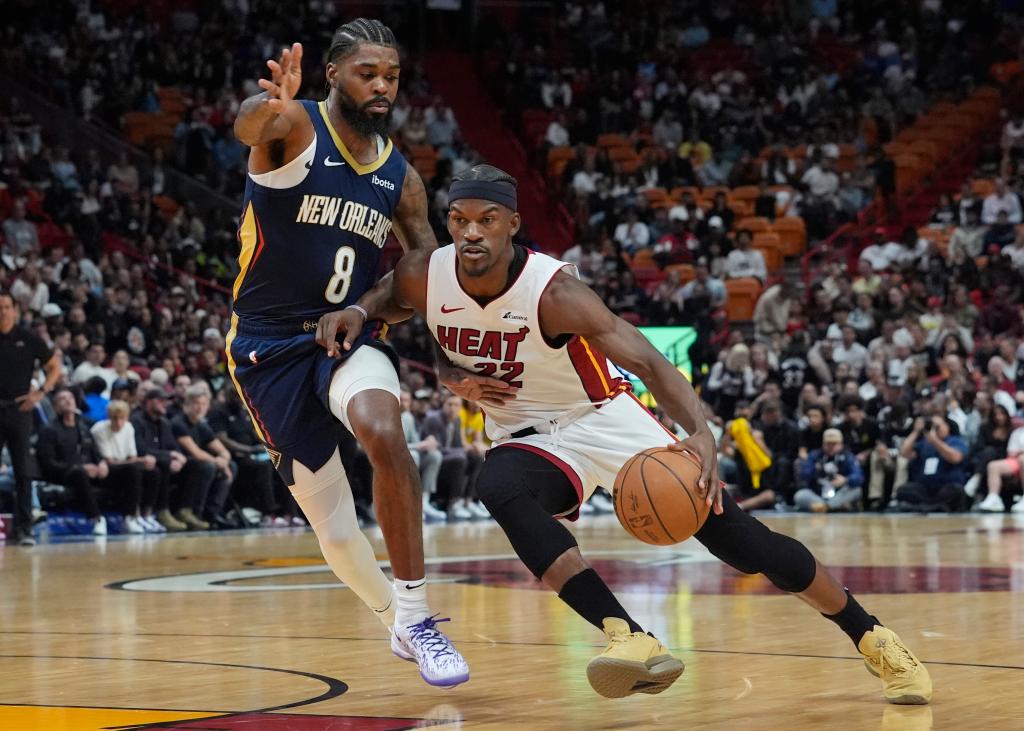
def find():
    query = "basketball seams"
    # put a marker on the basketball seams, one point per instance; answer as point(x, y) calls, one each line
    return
point(686, 491)
point(654, 508)
point(618, 496)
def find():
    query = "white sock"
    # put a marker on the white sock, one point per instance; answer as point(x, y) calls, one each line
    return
point(411, 599)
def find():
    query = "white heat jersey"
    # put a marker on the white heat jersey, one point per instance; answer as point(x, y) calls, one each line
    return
point(504, 340)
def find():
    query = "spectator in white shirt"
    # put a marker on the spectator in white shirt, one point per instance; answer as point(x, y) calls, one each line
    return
point(115, 441)
point(556, 92)
point(668, 132)
point(29, 291)
point(1013, 136)
point(969, 236)
point(584, 182)
point(557, 135)
point(822, 181)
point(92, 366)
point(20, 233)
point(743, 261)
point(632, 234)
point(851, 352)
point(1015, 253)
point(998, 200)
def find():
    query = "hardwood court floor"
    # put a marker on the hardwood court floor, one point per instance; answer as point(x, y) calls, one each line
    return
point(250, 631)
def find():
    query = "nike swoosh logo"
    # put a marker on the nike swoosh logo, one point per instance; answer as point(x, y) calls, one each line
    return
point(331, 164)
point(446, 311)
point(309, 165)
point(417, 586)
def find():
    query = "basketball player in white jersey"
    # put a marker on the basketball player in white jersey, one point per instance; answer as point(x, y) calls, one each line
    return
point(563, 422)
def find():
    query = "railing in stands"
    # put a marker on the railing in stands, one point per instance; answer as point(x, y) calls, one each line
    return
point(64, 127)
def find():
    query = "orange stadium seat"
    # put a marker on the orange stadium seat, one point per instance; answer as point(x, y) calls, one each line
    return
point(741, 296)
point(686, 272)
point(746, 193)
point(792, 233)
point(642, 259)
point(612, 139)
point(657, 196)
point(711, 191)
point(755, 224)
point(770, 246)
point(982, 187)
point(677, 193)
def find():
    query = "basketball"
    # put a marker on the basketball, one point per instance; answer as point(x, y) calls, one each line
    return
point(656, 496)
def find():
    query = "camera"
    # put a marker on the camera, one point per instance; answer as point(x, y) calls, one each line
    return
point(927, 426)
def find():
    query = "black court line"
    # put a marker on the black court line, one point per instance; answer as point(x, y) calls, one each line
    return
point(335, 687)
point(461, 642)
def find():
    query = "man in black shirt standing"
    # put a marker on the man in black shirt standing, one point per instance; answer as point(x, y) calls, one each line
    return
point(20, 353)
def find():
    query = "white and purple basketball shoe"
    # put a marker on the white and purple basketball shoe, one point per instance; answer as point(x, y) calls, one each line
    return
point(422, 643)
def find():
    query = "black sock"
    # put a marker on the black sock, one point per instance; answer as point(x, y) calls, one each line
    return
point(853, 620)
point(591, 598)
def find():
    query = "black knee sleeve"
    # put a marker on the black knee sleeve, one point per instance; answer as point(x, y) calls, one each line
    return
point(748, 545)
point(511, 491)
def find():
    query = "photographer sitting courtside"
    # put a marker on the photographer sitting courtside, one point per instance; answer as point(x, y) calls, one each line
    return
point(831, 477)
point(936, 452)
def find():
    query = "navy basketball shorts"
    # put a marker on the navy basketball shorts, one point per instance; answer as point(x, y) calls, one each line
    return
point(296, 395)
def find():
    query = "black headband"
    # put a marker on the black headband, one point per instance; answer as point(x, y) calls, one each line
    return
point(501, 192)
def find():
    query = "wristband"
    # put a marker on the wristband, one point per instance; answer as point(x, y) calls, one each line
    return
point(360, 310)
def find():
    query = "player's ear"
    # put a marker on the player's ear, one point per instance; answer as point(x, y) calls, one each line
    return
point(332, 74)
point(515, 222)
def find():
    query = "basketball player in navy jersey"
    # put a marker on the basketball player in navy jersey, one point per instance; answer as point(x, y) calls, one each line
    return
point(325, 189)
point(565, 422)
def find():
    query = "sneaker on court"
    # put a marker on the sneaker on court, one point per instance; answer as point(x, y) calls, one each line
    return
point(168, 521)
point(298, 521)
point(459, 511)
point(422, 643)
point(152, 525)
point(1018, 507)
point(633, 662)
point(477, 509)
point(992, 504)
point(26, 539)
point(186, 516)
point(971, 486)
point(905, 681)
point(99, 526)
point(432, 513)
point(587, 509)
point(39, 515)
point(133, 525)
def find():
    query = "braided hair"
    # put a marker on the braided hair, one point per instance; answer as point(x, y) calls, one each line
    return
point(361, 30)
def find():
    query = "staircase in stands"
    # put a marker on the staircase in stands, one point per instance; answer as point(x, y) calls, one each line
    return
point(453, 75)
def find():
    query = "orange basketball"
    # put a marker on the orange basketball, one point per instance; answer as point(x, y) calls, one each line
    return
point(656, 496)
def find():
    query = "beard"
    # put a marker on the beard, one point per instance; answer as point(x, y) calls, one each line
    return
point(359, 119)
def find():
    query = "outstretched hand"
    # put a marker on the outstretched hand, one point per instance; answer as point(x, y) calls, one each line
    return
point(702, 445)
point(285, 78)
point(481, 389)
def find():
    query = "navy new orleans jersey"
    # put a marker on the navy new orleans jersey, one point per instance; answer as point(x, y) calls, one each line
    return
point(314, 247)
point(311, 237)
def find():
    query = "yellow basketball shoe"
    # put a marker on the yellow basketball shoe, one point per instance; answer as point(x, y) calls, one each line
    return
point(905, 680)
point(633, 662)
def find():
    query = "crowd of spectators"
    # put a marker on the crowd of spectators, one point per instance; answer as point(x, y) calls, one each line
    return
point(912, 361)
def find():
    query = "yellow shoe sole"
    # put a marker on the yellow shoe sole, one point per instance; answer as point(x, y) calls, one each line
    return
point(613, 678)
point(900, 700)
